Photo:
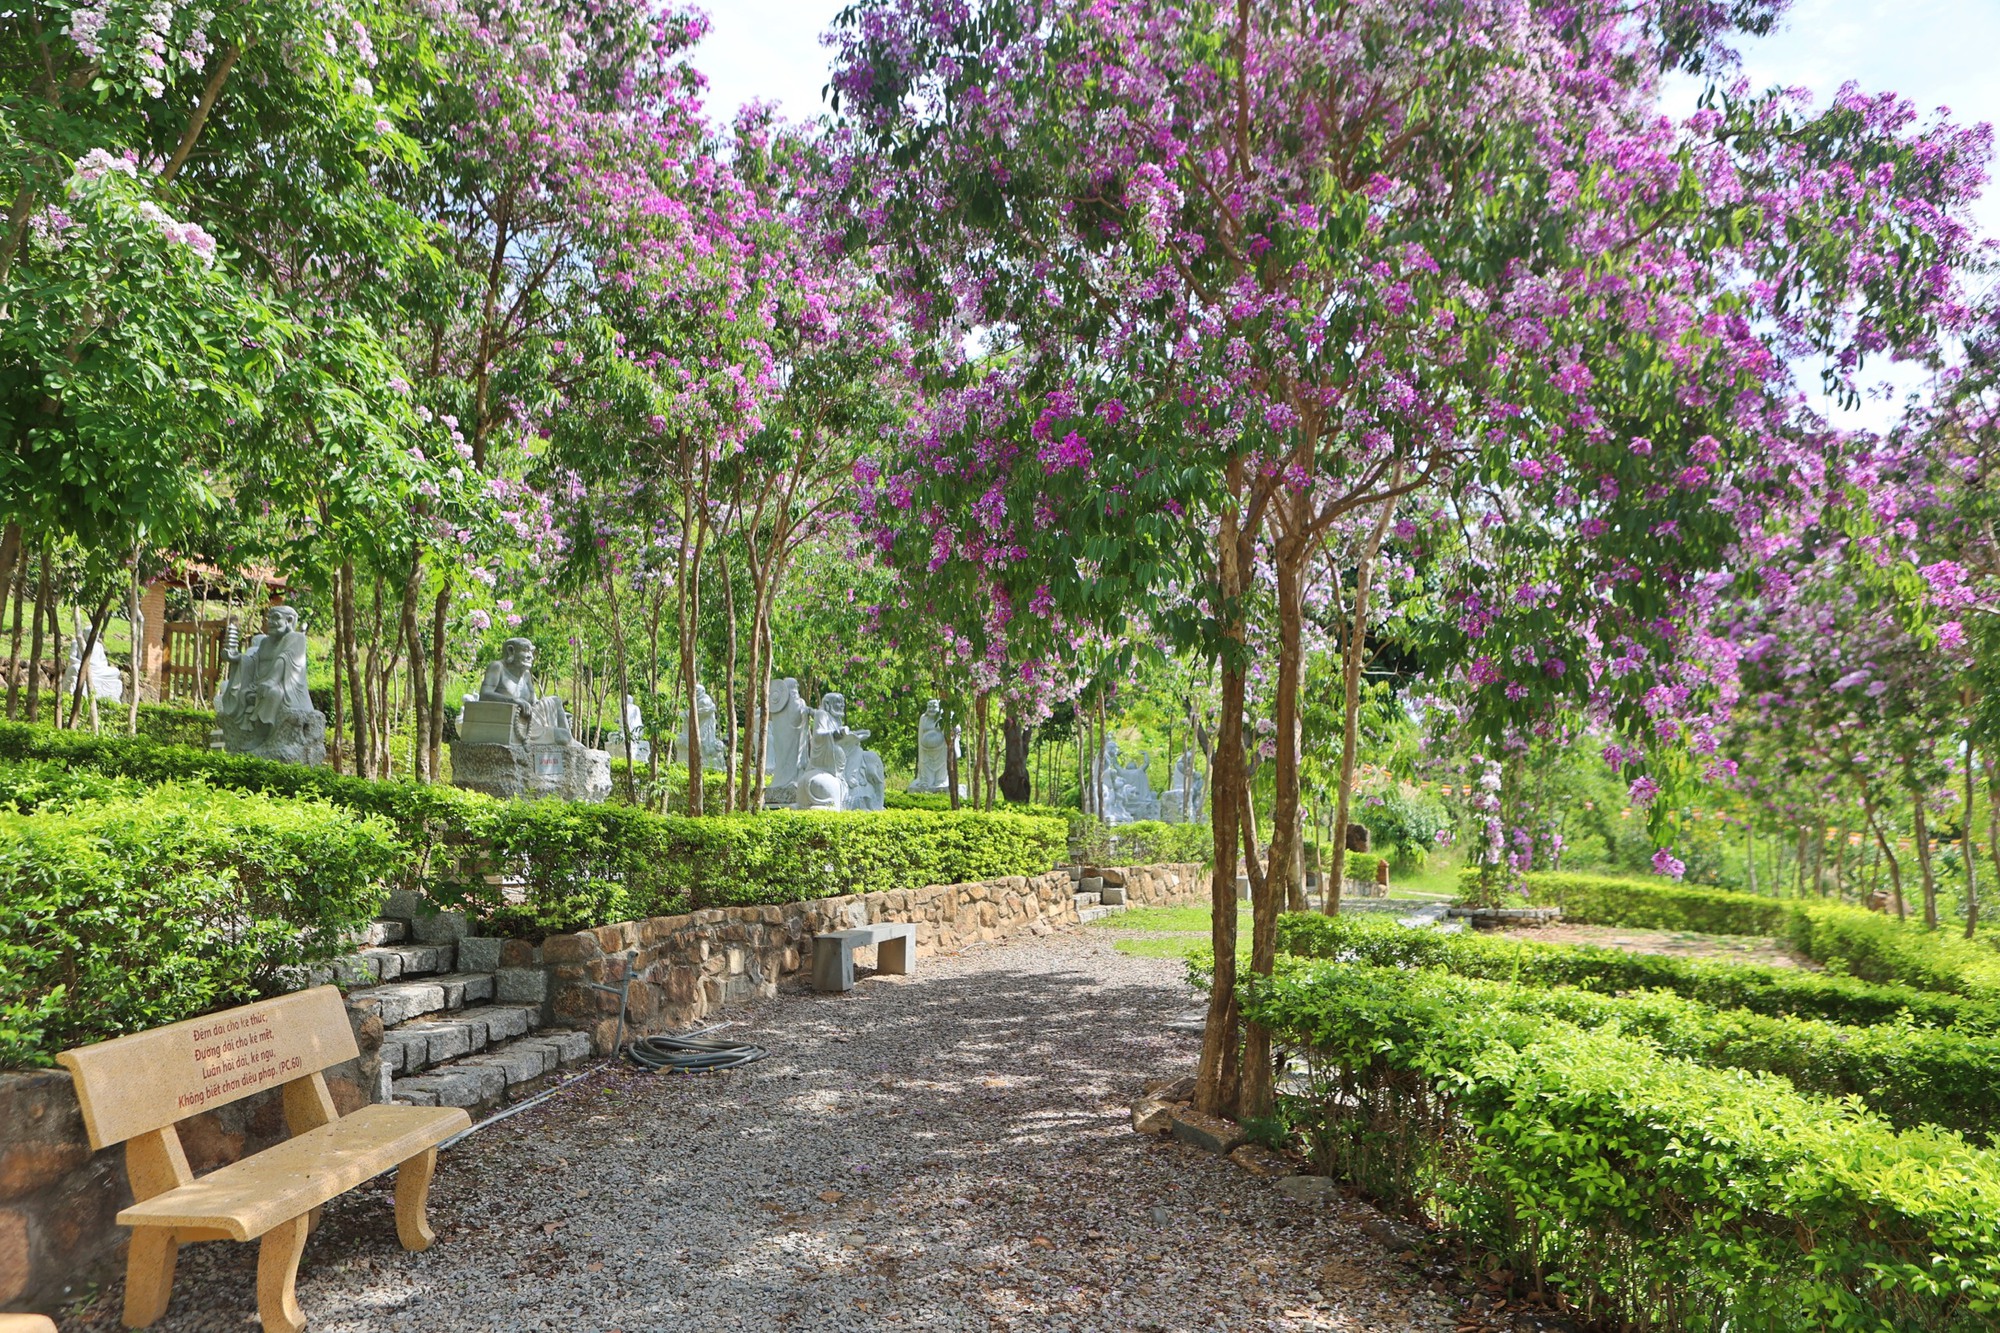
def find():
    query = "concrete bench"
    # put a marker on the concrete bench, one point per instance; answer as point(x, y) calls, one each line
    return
point(26, 1323)
point(134, 1090)
point(833, 953)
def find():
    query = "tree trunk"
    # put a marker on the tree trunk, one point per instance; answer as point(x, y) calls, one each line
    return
point(1888, 856)
point(624, 681)
point(1015, 784)
point(1971, 872)
point(1218, 1078)
point(434, 737)
point(86, 644)
point(136, 618)
point(15, 667)
point(42, 595)
point(951, 764)
point(11, 555)
point(1920, 823)
point(1257, 1098)
point(1350, 732)
point(730, 747)
point(1285, 797)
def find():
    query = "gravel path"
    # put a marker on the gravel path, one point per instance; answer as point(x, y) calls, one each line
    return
point(950, 1151)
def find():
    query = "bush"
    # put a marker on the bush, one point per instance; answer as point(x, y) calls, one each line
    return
point(1404, 821)
point(1865, 944)
point(1763, 990)
point(124, 914)
point(1909, 1075)
point(1647, 1190)
point(592, 864)
point(36, 785)
point(588, 865)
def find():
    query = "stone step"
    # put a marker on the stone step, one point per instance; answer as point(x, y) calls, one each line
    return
point(504, 1073)
point(420, 1044)
point(383, 930)
point(1090, 914)
point(404, 1001)
point(396, 962)
point(1084, 900)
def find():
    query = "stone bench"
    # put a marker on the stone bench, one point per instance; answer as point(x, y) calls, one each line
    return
point(134, 1090)
point(26, 1323)
point(833, 953)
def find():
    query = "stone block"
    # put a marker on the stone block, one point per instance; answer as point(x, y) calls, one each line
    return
point(1307, 1189)
point(27, 1167)
point(15, 1268)
point(1114, 878)
point(458, 1085)
point(1178, 1088)
point(519, 1062)
point(403, 904)
point(1112, 895)
point(581, 947)
point(1210, 1133)
point(439, 927)
point(1259, 1161)
point(516, 953)
point(1152, 1117)
point(520, 985)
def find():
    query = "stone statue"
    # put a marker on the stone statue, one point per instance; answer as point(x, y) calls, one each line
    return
point(933, 752)
point(513, 741)
point(704, 726)
point(822, 780)
point(262, 706)
point(629, 741)
point(784, 740)
point(1127, 791)
point(104, 681)
point(1182, 801)
point(867, 780)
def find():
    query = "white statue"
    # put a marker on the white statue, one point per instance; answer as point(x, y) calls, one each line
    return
point(933, 752)
point(867, 780)
point(784, 740)
point(1182, 800)
point(822, 781)
point(704, 727)
point(514, 741)
point(104, 680)
point(1127, 791)
point(262, 706)
point(629, 741)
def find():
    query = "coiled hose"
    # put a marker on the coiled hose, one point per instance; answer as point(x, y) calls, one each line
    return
point(692, 1054)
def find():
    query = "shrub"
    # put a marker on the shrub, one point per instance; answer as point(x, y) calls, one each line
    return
point(36, 785)
point(124, 914)
point(1763, 990)
point(1403, 821)
point(1865, 944)
point(1648, 1190)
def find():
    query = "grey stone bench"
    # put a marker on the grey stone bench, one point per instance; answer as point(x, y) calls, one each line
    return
point(833, 953)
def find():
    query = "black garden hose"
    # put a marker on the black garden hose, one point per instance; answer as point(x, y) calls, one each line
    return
point(692, 1054)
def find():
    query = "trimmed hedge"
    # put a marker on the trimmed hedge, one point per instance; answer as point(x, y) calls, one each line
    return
point(1773, 991)
point(1909, 1075)
point(1870, 945)
point(123, 914)
point(1643, 1188)
point(588, 865)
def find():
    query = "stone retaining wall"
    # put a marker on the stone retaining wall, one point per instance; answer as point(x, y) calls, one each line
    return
point(684, 968)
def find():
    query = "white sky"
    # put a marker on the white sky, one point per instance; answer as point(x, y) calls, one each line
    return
point(1938, 53)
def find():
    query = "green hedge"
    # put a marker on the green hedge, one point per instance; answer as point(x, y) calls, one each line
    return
point(1762, 990)
point(127, 913)
point(1870, 945)
point(588, 865)
point(1649, 1191)
point(1909, 1075)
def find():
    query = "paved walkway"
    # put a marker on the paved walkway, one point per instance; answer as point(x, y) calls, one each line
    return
point(950, 1151)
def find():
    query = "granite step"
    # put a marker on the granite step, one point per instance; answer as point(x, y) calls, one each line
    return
point(413, 1047)
point(384, 930)
point(1090, 914)
point(400, 1002)
point(1084, 900)
point(371, 967)
point(504, 1073)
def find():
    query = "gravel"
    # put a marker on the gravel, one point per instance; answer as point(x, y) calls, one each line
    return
point(946, 1151)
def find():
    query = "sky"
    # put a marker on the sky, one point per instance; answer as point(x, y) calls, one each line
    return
point(1938, 53)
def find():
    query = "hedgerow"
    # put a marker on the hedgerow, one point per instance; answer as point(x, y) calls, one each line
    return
point(131, 912)
point(1870, 945)
point(1762, 990)
point(1644, 1188)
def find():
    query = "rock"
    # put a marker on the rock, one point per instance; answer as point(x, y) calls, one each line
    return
point(1210, 1133)
point(1307, 1189)
point(1391, 1234)
point(1112, 895)
point(1260, 1161)
point(1152, 1117)
point(1192, 1024)
point(1114, 878)
point(1171, 1089)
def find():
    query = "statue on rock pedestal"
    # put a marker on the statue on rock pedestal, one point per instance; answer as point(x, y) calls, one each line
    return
point(262, 707)
point(513, 742)
point(104, 681)
point(822, 781)
point(867, 780)
point(1127, 791)
point(934, 751)
point(784, 741)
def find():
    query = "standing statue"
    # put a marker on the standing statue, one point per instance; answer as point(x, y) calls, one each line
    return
point(104, 680)
point(515, 741)
point(262, 707)
point(704, 729)
point(933, 752)
point(784, 740)
point(629, 741)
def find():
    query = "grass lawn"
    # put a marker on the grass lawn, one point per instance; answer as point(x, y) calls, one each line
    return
point(1166, 932)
